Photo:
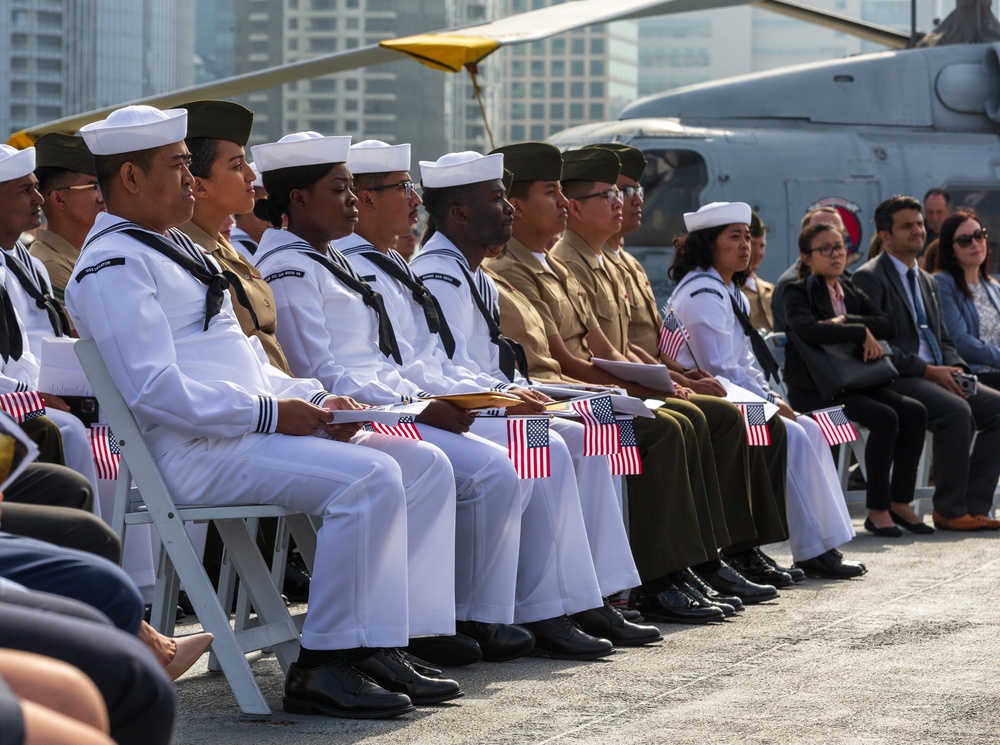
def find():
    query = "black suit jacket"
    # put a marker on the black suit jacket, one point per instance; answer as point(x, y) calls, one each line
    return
point(879, 280)
point(804, 310)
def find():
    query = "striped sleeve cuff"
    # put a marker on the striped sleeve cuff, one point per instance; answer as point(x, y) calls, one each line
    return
point(20, 387)
point(771, 398)
point(319, 398)
point(265, 414)
point(503, 387)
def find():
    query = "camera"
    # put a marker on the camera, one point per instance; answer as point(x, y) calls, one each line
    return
point(968, 383)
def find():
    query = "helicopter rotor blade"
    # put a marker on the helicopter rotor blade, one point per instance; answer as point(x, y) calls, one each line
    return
point(868, 31)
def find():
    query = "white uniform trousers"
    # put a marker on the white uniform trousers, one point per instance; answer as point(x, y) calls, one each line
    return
point(358, 594)
point(76, 447)
point(815, 506)
point(555, 573)
point(602, 513)
point(487, 526)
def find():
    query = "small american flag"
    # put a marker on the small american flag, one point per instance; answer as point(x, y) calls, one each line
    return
point(528, 447)
point(107, 455)
point(673, 335)
point(626, 462)
point(405, 428)
point(23, 405)
point(837, 428)
point(756, 423)
point(600, 431)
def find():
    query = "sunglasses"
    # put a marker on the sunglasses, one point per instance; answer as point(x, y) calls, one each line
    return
point(966, 240)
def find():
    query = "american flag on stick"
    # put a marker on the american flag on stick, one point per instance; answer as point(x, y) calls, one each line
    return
point(23, 405)
point(673, 335)
point(626, 462)
point(756, 424)
point(406, 428)
point(837, 428)
point(528, 447)
point(601, 435)
point(107, 455)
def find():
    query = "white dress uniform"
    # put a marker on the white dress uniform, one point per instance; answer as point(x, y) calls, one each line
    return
point(576, 478)
point(327, 332)
point(35, 326)
point(815, 507)
point(206, 401)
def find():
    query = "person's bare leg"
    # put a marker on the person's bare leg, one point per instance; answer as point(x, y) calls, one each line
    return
point(55, 685)
point(42, 726)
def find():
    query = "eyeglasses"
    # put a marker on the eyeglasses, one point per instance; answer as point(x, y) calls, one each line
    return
point(407, 186)
point(612, 195)
point(92, 186)
point(830, 250)
point(966, 240)
point(631, 192)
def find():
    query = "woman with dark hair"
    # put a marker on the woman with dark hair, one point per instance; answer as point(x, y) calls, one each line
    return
point(970, 297)
point(710, 263)
point(826, 308)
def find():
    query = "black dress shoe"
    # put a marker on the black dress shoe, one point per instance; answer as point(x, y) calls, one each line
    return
point(391, 670)
point(562, 639)
point(920, 528)
point(338, 690)
point(728, 581)
point(832, 565)
point(890, 532)
point(454, 651)
point(757, 569)
point(695, 592)
point(426, 670)
point(629, 614)
point(607, 623)
point(795, 573)
point(674, 606)
point(499, 642)
point(691, 579)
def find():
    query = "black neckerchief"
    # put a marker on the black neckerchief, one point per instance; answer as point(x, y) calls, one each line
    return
point(511, 353)
point(11, 343)
point(36, 290)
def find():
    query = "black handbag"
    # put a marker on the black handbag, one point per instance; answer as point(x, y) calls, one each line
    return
point(837, 368)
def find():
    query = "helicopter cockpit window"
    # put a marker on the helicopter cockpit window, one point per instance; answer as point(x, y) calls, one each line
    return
point(673, 181)
point(985, 200)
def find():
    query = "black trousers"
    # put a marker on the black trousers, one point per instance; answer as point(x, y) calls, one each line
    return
point(896, 424)
point(139, 696)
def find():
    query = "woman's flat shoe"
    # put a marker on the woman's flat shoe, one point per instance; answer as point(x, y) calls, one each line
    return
point(891, 532)
point(920, 528)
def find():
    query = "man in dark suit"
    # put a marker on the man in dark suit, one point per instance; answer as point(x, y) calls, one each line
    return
point(927, 361)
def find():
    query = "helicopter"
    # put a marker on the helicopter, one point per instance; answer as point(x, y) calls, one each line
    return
point(847, 133)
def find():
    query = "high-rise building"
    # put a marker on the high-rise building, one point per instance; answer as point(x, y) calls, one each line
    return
point(581, 76)
point(64, 57)
point(397, 102)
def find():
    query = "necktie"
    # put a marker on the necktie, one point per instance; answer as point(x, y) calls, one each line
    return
point(918, 306)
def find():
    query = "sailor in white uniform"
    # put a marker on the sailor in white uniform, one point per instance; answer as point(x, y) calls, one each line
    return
point(463, 292)
point(704, 300)
point(227, 427)
point(331, 327)
point(27, 283)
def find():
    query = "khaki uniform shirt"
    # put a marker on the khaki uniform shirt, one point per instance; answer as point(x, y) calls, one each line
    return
point(603, 285)
point(59, 257)
point(260, 294)
point(645, 322)
point(520, 321)
point(555, 293)
point(761, 315)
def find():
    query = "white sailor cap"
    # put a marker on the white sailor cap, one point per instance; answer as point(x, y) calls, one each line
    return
point(135, 128)
point(375, 156)
point(716, 214)
point(301, 149)
point(258, 180)
point(16, 163)
point(458, 169)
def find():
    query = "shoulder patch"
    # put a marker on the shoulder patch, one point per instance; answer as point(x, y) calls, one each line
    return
point(708, 289)
point(119, 261)
point(443, 277)
point(284, 273)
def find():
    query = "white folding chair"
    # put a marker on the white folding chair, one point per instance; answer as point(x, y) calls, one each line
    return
point(143, 497)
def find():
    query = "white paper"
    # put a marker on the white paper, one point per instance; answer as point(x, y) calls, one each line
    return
point(656, 377)
point(382, 414)
point(61, 373)
point(739, 395)
point(620, 405)
point(10, 427)
point(560, 391)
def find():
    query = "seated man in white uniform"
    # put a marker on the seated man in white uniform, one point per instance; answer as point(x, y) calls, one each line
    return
point(709, 264)
point(27, 284)
point(480, 219)
point(227, 427)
